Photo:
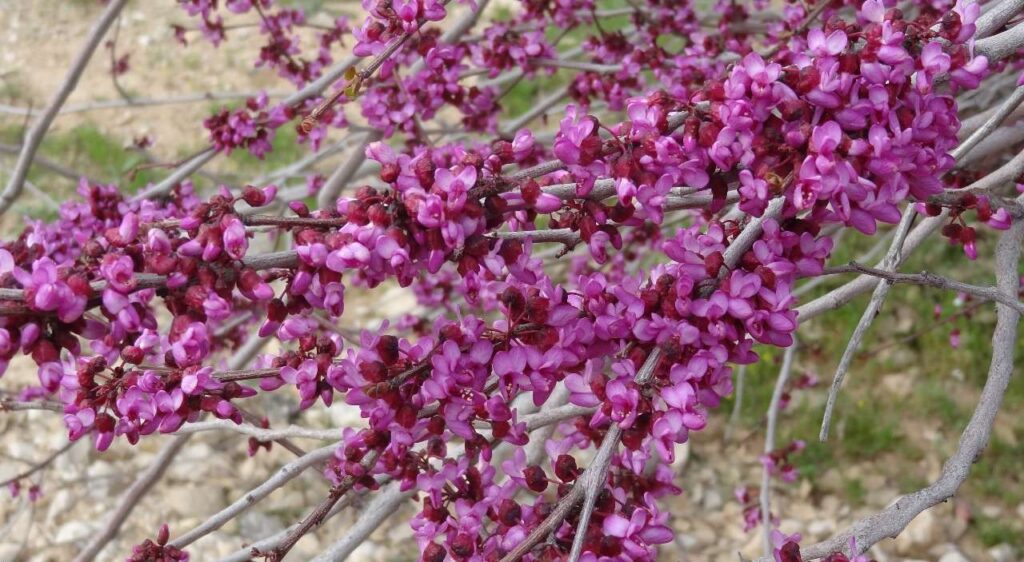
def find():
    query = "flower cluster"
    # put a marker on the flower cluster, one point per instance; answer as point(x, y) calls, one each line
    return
point(251, 128)
point(701, 208)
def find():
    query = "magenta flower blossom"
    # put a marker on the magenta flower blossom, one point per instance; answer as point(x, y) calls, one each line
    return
point(235, 241)
point(119, 273)
point(46, 292)
point(306, 379)
point(191, 346)
point(576, 139)
point(643, 529)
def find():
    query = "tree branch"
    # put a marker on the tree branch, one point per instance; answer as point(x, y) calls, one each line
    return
point(927, 279)
point(587, 486)
point(145, 481)
point(384, 505)
point(769, 445)
point(35, 135)
point(997, 17)
point(260, 433)
point(285, 474)
point(317, 516)
point(328, 195)
point(892, 520)
point(991, 124)
point(39, 465)
point(892, 259)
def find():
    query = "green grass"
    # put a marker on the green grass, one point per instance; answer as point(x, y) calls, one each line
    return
point(992, 532)
point(88, 150)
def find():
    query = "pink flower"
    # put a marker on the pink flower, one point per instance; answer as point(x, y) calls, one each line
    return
point(47, 292)
point(235, 240)
point(119, 273)
point(822, 45)
point(192, 346)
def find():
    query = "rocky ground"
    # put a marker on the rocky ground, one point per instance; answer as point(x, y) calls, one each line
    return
point(81, 487)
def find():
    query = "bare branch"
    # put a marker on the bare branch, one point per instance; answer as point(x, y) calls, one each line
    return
point(997, 17)
point(846, 293)
point(384, 505)
point(44, 162)
point(892, 520)
point(578, 65)
point(146, 480)
point(142, 102)
point(35, 135)
point(998, 47)
point(247, 553)
point(538, 109)
point(39, 465)
point(551, 416)
point(180, 174)
point(991, 124)
point(328, 195)
point(285, 474)
point(769, 445)
point(927, 279)
point(11, 405)
point(261, 433)
point(319, 514)
point(892, 259)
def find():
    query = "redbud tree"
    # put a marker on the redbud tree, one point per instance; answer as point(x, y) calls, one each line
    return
point(591, 273)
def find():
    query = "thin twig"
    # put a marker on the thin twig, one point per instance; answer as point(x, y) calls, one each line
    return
point(769, 445)
point(317, 516)
point(39, 465)
point(260, 433)
point(146, 480)
point(284, 475)
point(892, 260)
point(992, 124)
point(11, 405)
point(328, 195)
point(134, 103)
point(927, 279)
point(384, 505)
point(245, 554)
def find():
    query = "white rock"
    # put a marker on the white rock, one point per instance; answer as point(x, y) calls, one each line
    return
point(899, 384)
point(73, 531)
point(8, 550)
point(924, 530)
point(954, 556)
point(193, 499)
point(1003, 553)
point(254, 525)
point(712, 499)
point(992, 511)
point(59, 505)
point(821, 529)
